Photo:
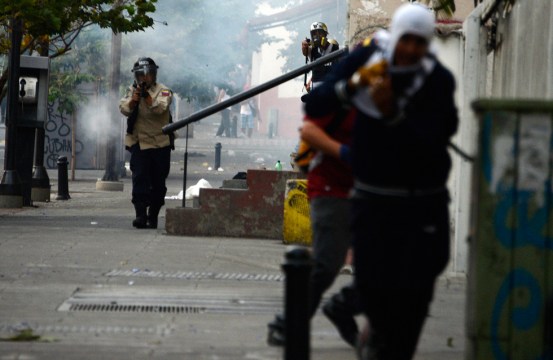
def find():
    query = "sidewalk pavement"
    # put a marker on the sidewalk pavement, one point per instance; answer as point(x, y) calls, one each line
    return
point(165, 297)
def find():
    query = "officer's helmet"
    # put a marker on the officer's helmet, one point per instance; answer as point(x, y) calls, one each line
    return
point(319, 26)
point(143, 66)
point(319, 31)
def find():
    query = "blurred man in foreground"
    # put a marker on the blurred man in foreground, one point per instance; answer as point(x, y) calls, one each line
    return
point(404, 98)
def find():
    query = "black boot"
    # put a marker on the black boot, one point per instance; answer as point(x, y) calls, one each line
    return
point(340, 310)
point(141, 219)
point(153, 212)
point(276, 335)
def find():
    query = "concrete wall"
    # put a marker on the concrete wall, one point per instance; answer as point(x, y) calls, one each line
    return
point(58, 140)
point(450, 52)
point(520, 64)
point(522, 59)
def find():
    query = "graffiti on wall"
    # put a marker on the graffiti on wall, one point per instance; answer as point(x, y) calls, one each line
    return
point(57, 140)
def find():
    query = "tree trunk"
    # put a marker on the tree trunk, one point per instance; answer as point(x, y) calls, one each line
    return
point(73, 143)
point(113, 135)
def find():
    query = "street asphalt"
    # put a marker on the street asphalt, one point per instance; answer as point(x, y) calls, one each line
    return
point(77, 281)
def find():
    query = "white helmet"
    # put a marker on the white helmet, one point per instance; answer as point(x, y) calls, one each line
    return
point(319, 26)
point(316, 37)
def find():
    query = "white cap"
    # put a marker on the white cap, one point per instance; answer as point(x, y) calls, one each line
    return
point(412, 18)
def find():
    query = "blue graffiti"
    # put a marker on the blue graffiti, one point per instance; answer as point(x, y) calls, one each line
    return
point(523, 318)
point(529, 227)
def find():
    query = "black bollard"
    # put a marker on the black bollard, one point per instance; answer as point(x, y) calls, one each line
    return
point(63, 186)
point(548, 329)
point(217, 156)
point(297, 268)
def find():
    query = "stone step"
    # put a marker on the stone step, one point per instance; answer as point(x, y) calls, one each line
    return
point(254, 212)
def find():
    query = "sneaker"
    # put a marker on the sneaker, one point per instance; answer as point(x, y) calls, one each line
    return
point(343, 320)
point(140, 223)
point(275, 335)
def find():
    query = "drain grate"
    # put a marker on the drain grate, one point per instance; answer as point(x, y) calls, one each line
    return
point(138, 308)
point(194, 275)
point(147, 300)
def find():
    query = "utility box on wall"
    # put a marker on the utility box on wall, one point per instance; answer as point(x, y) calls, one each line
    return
point(32, 112)
point(510, 279)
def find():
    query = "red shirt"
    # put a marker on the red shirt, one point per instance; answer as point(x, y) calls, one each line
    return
point(331, 177)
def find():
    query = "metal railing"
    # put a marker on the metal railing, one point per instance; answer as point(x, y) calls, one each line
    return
point(210, 110)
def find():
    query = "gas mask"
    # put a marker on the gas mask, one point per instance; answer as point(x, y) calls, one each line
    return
point(319, 32)
point(319, 38)
point(143, 67)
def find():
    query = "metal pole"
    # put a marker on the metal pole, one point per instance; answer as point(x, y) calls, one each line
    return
point(113, 137)
point(40, 178)
point(185, 169)
point(73, 143)
point(253, 91)
point(297, 268)
point(218, 147)
point(39, 150)
point(11, 183)
point(63, 187)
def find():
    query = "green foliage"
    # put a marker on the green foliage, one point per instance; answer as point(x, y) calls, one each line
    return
point(63, 87)
point(52, 17)
point(51, 26)
point(86, 63)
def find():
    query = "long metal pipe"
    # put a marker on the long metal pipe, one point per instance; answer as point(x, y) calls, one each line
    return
point(253, 91)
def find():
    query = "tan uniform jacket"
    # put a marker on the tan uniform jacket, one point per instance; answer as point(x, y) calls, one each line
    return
point(147, 129)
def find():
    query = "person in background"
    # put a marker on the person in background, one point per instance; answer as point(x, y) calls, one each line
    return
point(224, 127)
point(404, 99)
point(329, 181)
point(248, 114)
point(147, 102)
point(316, 47)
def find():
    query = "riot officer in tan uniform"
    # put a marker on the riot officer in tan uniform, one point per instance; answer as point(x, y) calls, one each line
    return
point(147, 106)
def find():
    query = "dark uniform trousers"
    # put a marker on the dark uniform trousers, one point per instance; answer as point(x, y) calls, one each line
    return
point(150, 168)
point(401, 245)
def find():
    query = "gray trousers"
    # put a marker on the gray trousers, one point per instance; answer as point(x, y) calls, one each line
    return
point(330, 222)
